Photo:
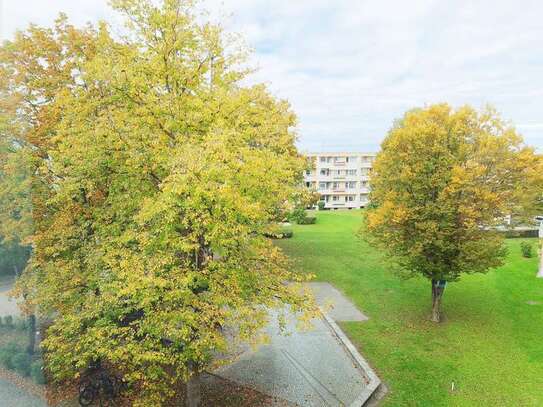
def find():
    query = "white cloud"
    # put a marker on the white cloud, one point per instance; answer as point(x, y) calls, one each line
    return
point(350, 68)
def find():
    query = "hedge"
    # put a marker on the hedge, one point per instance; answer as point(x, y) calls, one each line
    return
point(308, 220)
point(36, 372)
point(513, 234)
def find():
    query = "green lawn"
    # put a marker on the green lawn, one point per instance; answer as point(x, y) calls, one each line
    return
point(490, 344)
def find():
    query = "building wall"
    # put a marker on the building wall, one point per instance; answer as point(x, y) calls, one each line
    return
point(342, 179)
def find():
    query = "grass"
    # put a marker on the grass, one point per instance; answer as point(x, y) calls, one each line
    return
point(490, 343)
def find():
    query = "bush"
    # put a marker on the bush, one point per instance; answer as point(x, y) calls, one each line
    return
point(321, 205)
point(509, 234)
point(526, 249)
point(286, 234)
point(8, 321)
point(307, 220)
point(283, 233)
point(5, 359)
point(297, 215)
point(36, 372)
point(21, 324)
point(21, 363)
point(7, 353)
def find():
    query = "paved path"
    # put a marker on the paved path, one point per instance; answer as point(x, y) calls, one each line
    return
point(12, 396)
point(308, 368)
point(334, 303)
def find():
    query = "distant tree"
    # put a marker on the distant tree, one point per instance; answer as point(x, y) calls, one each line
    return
point(156, 174)
point(13, 258)
point(442, 180)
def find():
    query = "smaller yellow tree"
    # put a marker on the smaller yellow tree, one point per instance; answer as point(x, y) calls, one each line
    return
point(442, 181)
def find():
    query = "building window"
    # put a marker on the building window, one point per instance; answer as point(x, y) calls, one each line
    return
point(349, 198)
point(322, 185)
point(351, 172)
point(323, 159)
point(335, 198)
point(350, 185)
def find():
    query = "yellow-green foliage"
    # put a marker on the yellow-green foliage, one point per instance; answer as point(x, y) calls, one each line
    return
point(442, 177)
point(157, 173)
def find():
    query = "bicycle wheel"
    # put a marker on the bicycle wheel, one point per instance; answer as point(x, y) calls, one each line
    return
point(86, 396)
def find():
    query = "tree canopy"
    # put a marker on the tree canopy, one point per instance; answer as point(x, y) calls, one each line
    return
point(155, 173)
point(442, 180)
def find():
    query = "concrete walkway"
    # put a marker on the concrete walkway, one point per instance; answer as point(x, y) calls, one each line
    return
point(12, 396)
point(335, 304)
point(314, 368)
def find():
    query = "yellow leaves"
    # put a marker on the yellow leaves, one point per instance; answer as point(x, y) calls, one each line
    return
point(441, 177)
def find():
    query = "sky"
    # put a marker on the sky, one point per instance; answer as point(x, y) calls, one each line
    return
point(350, 68)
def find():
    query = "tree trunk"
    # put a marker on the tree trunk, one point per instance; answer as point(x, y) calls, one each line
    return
point(437, 294)
point(193, 394)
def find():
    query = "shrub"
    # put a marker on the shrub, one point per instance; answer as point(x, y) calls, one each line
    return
point(526, 249)
point(321, 205)
point(21, 363)
point(520, 233)
point(36, 372)
point(8, 320)
point(307, 220)
point(282, 233)
point(297, 215)
point(5, 359)
point(21, 324)
point(286, 234)
point(7, 353)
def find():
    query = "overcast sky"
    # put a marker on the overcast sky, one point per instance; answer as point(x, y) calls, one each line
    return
point(350, 68)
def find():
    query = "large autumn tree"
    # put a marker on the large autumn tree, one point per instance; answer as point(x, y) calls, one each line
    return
point(156, 174)
point(443, 180)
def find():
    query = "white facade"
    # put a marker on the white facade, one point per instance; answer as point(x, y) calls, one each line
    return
point(342, 179)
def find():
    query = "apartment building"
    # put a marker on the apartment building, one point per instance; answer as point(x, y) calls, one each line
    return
point(342, 179)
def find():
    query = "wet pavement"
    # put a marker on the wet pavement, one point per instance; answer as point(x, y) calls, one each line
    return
point(310, 368)
point(12, 396)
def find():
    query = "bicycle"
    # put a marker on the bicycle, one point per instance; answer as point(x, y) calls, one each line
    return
point(101, 387)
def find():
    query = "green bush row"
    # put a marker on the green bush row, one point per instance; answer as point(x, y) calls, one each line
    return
point(520, 233)
point(14, 357)
point(13, 323)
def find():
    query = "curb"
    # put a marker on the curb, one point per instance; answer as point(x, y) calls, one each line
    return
point(373, 382)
